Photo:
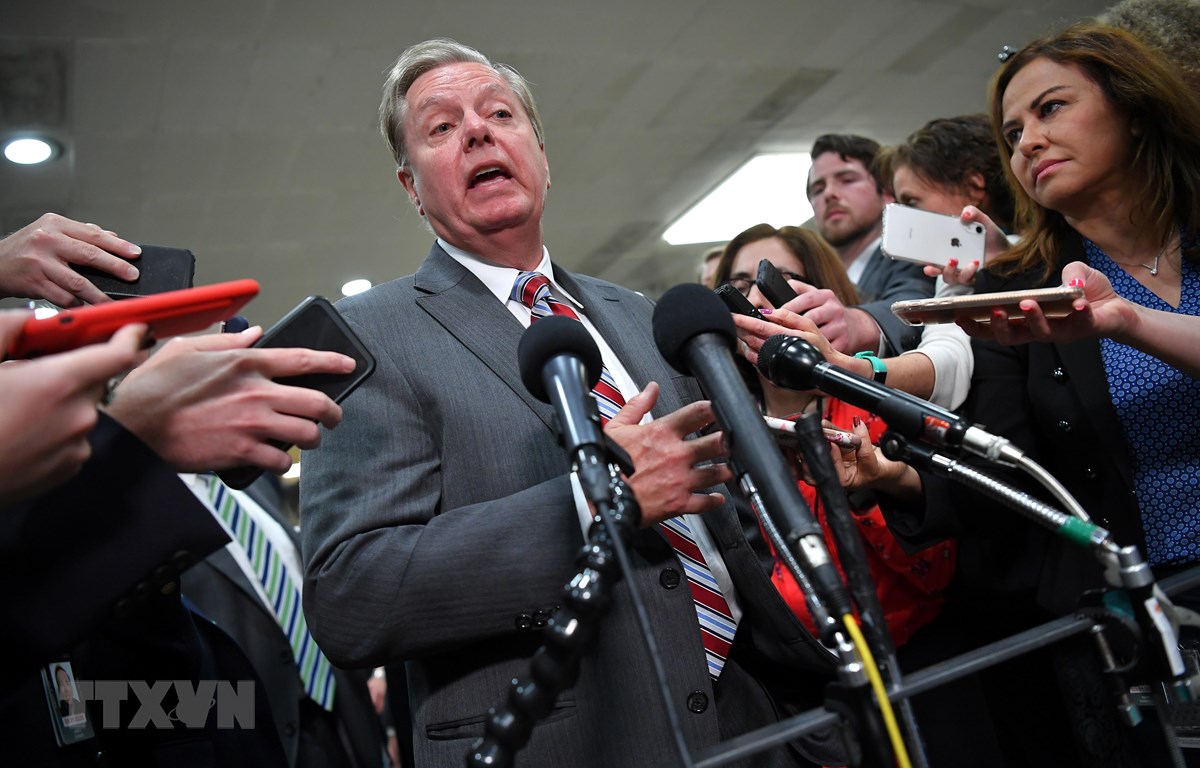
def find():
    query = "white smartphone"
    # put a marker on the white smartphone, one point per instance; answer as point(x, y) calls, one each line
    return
point(910, 234)
point(1054, 302)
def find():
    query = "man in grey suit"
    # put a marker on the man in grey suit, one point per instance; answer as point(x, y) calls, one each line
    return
point(441, 521)
point(848, 199)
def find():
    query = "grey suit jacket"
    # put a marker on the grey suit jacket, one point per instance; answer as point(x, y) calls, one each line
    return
point(885, 281)
point(439, 529)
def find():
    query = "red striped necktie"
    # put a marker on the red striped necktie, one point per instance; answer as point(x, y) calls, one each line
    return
point(717, 625)
point(533, 290)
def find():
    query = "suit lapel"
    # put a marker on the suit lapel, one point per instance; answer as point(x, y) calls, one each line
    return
point(225, 564)
point(605, 307)
point(462, 305)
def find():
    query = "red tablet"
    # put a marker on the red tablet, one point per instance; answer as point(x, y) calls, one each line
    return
point(168, 314)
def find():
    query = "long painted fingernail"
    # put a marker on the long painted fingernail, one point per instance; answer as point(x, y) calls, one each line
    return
point(952, 263)
point(1076, 282)
point(766, 310)
point(857, 422)
point(975, 263)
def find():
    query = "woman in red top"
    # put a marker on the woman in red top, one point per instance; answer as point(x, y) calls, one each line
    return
point(909, 586)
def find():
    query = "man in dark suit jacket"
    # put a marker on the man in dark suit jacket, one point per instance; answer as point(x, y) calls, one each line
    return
point(848, 199)
point(440, 522)
point(351, 735)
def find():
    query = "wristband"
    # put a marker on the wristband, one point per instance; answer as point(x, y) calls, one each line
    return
point(878, 367)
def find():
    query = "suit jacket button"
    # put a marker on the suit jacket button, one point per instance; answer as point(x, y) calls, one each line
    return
point(524, 621)
point(669, 578)
point(181, 560)
point(1064, 426)
point(539, 619)
point(1059, 375)
point(289, 730)
point(697, 702)
point(1089, 473)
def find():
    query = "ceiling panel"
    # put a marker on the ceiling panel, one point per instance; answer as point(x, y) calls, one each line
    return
point(246, 129)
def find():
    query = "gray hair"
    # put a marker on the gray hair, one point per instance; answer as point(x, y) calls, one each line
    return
point(423, 57)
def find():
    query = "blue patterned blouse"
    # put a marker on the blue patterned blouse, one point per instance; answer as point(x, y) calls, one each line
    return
point(1159, 407)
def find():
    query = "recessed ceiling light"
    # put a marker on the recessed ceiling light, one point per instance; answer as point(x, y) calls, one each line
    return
point(30, 150)
point(355, 286)
point(768, 188)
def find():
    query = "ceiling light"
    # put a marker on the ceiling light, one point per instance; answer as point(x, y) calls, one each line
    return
point(355, 286)
point(30, 150)
point(768, 188)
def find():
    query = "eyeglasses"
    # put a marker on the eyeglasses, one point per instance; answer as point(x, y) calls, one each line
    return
point(743, 282)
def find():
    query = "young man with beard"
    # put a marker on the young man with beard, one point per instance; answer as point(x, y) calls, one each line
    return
point(848, 200)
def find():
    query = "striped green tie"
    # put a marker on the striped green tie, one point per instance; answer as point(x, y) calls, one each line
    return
point(316, 673)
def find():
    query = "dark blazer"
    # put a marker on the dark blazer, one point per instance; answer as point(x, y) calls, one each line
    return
point(1052, 401)
point(351, 734)
point(92, 568)
point(439, 528)
point(885, 281)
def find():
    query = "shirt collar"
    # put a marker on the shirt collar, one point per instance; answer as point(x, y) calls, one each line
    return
point(499, 279)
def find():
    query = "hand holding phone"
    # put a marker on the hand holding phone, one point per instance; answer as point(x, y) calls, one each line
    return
point(737, 303)
point(160, 269)
point(313, 324)
point(167, 314)
point(772, 285)
point(924, 237)
point(1054, 302)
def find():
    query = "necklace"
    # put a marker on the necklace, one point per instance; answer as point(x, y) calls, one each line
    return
point(1152, 267)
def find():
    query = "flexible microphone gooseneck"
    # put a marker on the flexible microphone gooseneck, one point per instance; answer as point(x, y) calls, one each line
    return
point(695, 334)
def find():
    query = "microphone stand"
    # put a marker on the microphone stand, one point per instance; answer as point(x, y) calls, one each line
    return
point(815, 449)
point(1124, 569)
point(572, 629)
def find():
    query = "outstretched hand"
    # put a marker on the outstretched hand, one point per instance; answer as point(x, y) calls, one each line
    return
point(1100, 312)
point(35, 261)
point(48, 407)
point(995, 243)
point(209, 403)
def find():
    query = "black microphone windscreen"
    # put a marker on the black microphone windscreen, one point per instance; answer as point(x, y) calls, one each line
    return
point(549, 337)
point(767, 352)
point(684, 312)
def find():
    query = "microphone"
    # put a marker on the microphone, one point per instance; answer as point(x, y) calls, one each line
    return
point(793, 363)
point(560, 363)
point(694, 333)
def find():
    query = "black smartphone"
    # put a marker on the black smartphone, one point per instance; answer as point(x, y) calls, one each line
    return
point(160, 269)
point(313, 324)
point(738, 303)
point(772, 285)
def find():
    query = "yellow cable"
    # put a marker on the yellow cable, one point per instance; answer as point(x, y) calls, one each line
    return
point(885, 704)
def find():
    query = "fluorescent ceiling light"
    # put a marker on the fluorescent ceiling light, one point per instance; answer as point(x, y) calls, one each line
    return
point(355, 286)
point(768, 188)
point(29, 151)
